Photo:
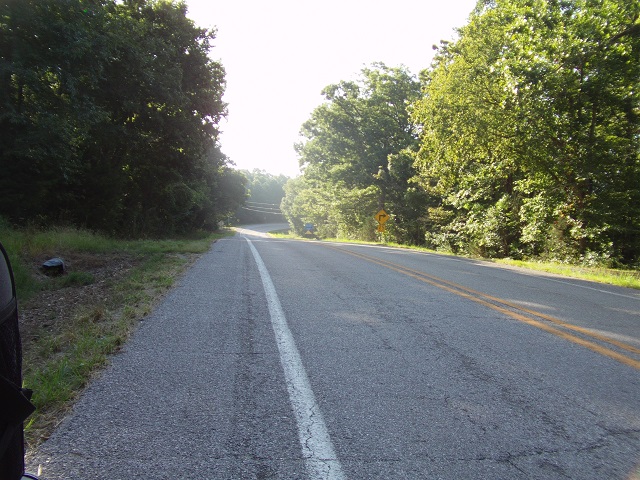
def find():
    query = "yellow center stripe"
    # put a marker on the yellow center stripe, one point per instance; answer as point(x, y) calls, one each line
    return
point(507, 308)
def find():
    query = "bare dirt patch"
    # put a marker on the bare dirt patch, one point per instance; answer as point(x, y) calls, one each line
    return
point(48, 309)
point(78, 320)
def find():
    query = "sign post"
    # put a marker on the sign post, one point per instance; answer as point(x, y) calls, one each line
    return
point(381, 217)
point(309, 229)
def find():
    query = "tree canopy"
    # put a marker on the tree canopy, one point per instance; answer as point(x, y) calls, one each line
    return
point(521, 139)
point(347, 154)
point(108, 117)
point(530, 131)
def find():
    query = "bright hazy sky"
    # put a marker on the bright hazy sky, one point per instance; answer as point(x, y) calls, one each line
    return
point(280, 54)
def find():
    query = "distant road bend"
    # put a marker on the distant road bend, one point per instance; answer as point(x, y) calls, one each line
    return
point(275, 358)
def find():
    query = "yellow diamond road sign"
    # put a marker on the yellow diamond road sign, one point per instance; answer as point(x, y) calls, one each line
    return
point(382, 217)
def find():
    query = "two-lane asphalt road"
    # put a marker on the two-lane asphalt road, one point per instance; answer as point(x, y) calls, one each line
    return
point(298, 359)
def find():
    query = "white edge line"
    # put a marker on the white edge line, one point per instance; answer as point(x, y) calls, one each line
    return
point(317, 449)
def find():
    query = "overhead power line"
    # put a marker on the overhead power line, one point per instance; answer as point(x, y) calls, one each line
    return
point(262, 211)
point(258, 203)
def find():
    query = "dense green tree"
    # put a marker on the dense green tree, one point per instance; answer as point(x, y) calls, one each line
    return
point(580, 92)
point(468, 131)
point(348, 142)
point(52, 57)
point(529, 131)
point(172, 116)
point(108, 116)
point(228, 193)
point(308, 201)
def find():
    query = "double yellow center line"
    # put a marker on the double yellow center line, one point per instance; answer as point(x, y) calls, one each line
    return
point(539, 320)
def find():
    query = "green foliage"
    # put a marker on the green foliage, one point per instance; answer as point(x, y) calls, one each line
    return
point(108, 117)
point(305, 202)
point(346, 157)
point(523, 141)
point(528, 124)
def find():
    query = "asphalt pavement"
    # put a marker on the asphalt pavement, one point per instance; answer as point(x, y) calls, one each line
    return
point(290, 359)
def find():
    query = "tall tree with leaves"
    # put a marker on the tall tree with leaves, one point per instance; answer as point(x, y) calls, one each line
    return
point(52, 58)
point(528, 124)
point(108, 115)
point(165, 97)
point(580, 92)
point(349, 140)
point(468, 130)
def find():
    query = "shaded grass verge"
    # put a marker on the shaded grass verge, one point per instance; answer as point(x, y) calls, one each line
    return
point(65, 347)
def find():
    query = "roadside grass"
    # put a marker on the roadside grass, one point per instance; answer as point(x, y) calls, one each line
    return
point(61, 355)
point(281, 234)
point(611, 276)
point(57, 241)
point(60, 363)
